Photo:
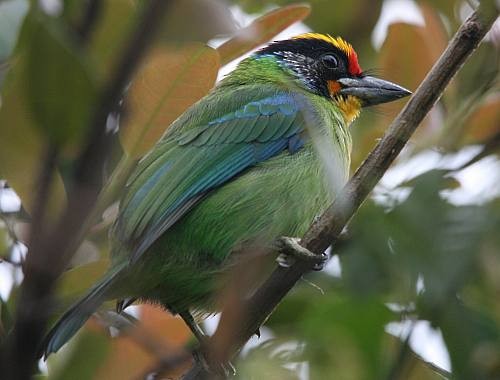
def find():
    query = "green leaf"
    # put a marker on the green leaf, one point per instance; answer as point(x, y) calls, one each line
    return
point(111, 34)
point(261, 30)
point(346, 336)
point(76, 280)
point(169, 81)
point(12, 13)
point(59, 87)
point(472, 339)
point(82, 359)
point(479, 73)
point(22, 146)
point(4, 237)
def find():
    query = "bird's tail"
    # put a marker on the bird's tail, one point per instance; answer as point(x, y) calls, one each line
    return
point(77, 315)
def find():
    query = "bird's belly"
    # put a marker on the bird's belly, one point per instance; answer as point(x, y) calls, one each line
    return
point(279, 197)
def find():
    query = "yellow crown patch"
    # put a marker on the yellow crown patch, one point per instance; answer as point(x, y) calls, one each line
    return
point(338, 42)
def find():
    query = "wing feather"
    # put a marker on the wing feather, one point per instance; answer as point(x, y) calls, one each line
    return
point(202, 150)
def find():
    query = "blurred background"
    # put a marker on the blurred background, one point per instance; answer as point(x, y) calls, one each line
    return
point(411, 292)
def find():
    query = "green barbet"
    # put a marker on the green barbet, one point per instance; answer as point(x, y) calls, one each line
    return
point(239, 168)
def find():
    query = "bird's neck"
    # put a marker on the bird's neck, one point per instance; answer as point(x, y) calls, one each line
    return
point(260, 69)
point(267, 70)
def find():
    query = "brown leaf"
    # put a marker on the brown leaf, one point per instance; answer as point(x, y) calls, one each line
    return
point(436, 36)
point(261, 30)
point(484, 122)
point(404, 59)
point(169, 81)
point(129, 359)
point(405, 56)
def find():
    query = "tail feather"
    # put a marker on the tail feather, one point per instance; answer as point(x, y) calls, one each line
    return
point(77, 315)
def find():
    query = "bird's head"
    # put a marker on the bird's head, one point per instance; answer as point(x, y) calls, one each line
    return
point(329, 67)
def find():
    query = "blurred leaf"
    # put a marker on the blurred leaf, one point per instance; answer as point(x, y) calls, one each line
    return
point(334, 17)
point(343, 340)
point(261, 30)
point(404, 59)
point(76, 280)
point(129, 360)
point(275, 359)
point(6, 320)
point(59, 87)
point(4, 239)
point(12, 13)
point(448, 8)
point(86, 253)
point(405, 56)
point(111, 34)
point(164, 325)
point(354, 20)
point(81, 360)
point(479, 73)
point(22, 147)
point(169, 81)
point(472, 339)
point(442, 249)
point(436, 37)
point(484, 122)
point(207, 19)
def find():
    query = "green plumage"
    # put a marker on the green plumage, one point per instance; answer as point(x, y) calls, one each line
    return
point(238, 168)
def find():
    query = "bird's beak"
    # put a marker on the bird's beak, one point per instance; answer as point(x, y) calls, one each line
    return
point(370, 90)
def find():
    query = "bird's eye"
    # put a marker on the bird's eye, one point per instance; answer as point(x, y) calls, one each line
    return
point(330, 61)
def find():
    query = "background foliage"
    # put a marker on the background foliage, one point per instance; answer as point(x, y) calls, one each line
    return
point(424, 250)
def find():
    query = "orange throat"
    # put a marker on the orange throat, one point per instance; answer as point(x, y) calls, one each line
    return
point(350, 105)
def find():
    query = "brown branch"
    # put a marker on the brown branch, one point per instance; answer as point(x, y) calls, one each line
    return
point(325, 231)
point(54, 248)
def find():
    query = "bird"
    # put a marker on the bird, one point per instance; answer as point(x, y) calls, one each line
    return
point(239, 168)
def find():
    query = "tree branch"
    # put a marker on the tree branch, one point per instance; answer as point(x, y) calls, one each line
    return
point(326, 230)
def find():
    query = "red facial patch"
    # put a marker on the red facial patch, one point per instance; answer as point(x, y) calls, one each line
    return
point(354, 68)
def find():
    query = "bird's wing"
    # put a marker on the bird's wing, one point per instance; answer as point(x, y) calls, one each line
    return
point(201, 153)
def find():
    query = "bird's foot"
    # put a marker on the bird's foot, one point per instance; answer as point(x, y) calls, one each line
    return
point(291, 251)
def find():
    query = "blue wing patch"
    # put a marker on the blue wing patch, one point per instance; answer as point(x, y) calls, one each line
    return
point(264, 120)
point(200, 159)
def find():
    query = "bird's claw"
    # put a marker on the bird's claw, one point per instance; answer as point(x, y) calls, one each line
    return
point(291, 251)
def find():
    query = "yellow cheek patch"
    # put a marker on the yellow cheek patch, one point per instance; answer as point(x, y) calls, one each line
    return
point(350, 107)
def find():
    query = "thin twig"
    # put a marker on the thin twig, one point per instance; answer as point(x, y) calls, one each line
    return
point(327, 228)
